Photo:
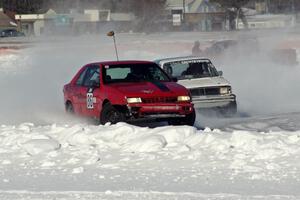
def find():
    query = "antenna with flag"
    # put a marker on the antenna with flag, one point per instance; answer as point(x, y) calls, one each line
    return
point(112, 34)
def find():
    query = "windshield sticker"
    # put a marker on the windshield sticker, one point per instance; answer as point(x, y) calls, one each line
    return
point(106, 66)
point(189, 61)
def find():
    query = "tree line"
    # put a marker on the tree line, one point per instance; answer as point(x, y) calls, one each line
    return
point(136, 6)
point(39, 6)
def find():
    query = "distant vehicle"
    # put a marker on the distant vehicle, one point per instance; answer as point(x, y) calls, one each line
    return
point(11, 33)
point(229, 48)
point(126, 91)
point(209, 89)
point(219, 47)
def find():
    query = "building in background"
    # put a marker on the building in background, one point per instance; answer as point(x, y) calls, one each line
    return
point(6, 22)
point(179, 15)
point(34, 24)
point(74, 22)
point(197, 15)
point(202, 15)
point(267, 21)
point(271, 14)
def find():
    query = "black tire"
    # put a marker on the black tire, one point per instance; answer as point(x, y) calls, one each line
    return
point(69, 108)
point(187, 120)
point(111, 114)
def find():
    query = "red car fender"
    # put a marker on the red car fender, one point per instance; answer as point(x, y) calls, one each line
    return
point(115, 97)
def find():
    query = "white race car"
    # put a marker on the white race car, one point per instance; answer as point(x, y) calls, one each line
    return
point(209, 89)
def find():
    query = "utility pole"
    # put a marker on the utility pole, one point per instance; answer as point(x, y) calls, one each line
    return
point(294, 13)
point(267, 6)
point(293, 7)
point(112, 34)
point(183, 11)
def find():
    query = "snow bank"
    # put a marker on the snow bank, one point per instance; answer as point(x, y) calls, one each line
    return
point(37, 146)
point(124, 157)
point(127, 137)
point(242, 151)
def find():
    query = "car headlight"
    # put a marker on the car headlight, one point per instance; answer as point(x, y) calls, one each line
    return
point(225, 90)
point(183, 98)
point(134, 100)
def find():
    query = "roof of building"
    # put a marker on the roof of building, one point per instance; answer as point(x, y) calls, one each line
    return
point(6, 21)
point(179, 3)
point(192, 6)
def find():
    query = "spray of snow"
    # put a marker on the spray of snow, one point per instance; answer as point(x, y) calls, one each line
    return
point(33, 79)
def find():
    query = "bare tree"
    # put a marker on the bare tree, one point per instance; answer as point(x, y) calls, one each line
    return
point(22, 6)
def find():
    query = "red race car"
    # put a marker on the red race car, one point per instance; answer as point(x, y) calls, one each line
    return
point(128, 90)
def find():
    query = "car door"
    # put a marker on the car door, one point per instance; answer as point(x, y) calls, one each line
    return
point(91, 92)
point(78, 97)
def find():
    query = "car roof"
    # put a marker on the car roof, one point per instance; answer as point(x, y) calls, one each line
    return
point(122, 62)
point(173, 59)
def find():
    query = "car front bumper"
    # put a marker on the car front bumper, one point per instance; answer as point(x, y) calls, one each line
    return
point(161, 110)
point(213, 101)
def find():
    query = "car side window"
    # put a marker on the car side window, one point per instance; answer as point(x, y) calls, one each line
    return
point(117, 73)
point(79, 81)
point(92, 77)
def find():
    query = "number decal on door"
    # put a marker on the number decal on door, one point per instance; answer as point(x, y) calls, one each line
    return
point(90, 99)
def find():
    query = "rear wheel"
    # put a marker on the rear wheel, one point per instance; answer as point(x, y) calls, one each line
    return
point(110, 114)
point(69, 108)
point(187, 120)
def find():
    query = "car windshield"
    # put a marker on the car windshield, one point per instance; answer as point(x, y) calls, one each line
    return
point(190, 69)
point(133, 73)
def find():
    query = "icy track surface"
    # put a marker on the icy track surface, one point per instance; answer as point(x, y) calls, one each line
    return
point(127, 162)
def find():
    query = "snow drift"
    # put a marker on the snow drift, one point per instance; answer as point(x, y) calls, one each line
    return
point(241, 150)
point(126, 161)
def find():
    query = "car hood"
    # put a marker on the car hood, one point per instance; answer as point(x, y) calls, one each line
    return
point(204, 82)
point(149, 89)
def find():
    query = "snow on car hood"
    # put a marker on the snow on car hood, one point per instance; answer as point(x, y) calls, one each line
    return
point(147, 88)
point(204, 82)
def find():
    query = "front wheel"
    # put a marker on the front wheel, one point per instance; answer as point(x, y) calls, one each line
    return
point(110, 114)
point(187, 120)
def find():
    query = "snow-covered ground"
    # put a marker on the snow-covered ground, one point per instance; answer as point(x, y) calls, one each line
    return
point(127, 162)
point(46, 155)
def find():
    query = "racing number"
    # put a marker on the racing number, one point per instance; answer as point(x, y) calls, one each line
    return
point(90, 99)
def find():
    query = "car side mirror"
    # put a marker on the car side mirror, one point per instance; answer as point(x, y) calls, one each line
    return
point(220, 73)
point(174, 79)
